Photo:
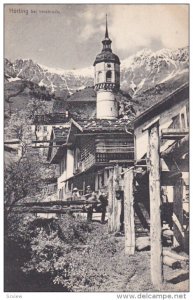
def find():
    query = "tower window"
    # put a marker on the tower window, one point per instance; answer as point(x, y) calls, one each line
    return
point(108, 76)
point(108, 65)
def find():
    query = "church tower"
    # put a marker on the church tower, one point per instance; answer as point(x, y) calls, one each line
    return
point(107, 80)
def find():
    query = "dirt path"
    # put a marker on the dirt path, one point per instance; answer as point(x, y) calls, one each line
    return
point(132, 274)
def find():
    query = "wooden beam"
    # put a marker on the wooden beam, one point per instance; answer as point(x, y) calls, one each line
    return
point(110, 204)
point(177, 149)
point(92, 133)
point(168, 178)
point(151, 124)
point(130, 161)
point(61, 203)
point(155, 203)
point(45, 210)
point(49, 141)
point(178, 214)
point(116, 202)
point(140, 162)
point(173, 133)
point(12, 142)
point(129, 212)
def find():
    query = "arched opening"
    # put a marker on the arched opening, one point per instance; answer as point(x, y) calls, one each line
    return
point(108, 76)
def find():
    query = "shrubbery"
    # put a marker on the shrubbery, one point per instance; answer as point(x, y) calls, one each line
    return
point(70, 252)
point(70, 255)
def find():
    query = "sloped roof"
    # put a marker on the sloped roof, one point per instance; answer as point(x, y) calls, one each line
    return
point(51, 119)
point(104, 126)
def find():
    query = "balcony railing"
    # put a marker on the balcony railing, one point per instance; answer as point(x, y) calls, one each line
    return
point(101, 157)
point(106, 157)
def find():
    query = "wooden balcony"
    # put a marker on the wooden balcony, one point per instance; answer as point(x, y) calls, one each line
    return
point(109, 157)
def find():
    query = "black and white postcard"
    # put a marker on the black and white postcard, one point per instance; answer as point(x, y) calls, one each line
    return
point(96, 150)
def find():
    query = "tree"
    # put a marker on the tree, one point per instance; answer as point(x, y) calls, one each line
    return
point(24, 177)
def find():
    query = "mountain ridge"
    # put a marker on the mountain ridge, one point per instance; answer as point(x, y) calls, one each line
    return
point(146, 77)
point(158, 65)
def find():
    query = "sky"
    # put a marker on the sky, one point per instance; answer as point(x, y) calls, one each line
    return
point(69, 36)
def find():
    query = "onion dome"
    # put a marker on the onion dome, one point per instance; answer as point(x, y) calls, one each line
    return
point(106, 54)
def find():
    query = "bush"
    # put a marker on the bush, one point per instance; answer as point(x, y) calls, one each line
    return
point(55, 249)
point(69, 252)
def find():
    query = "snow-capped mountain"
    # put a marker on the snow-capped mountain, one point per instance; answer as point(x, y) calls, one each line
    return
point(139, 72)
point(147, 69)
point(56, 80)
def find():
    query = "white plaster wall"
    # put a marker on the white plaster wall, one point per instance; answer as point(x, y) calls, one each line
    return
point(106, 105)
point(69, 163)
point(141, 145)
point(141, 140)
point(61, 179)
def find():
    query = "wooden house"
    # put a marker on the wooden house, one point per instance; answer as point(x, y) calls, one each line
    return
point(170, 117)
point(89, 151)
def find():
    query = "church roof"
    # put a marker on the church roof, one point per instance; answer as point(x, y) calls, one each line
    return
point(106, 54)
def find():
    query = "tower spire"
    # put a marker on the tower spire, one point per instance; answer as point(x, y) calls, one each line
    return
point(106, 32)
point(106, 42)
point(107, 80)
